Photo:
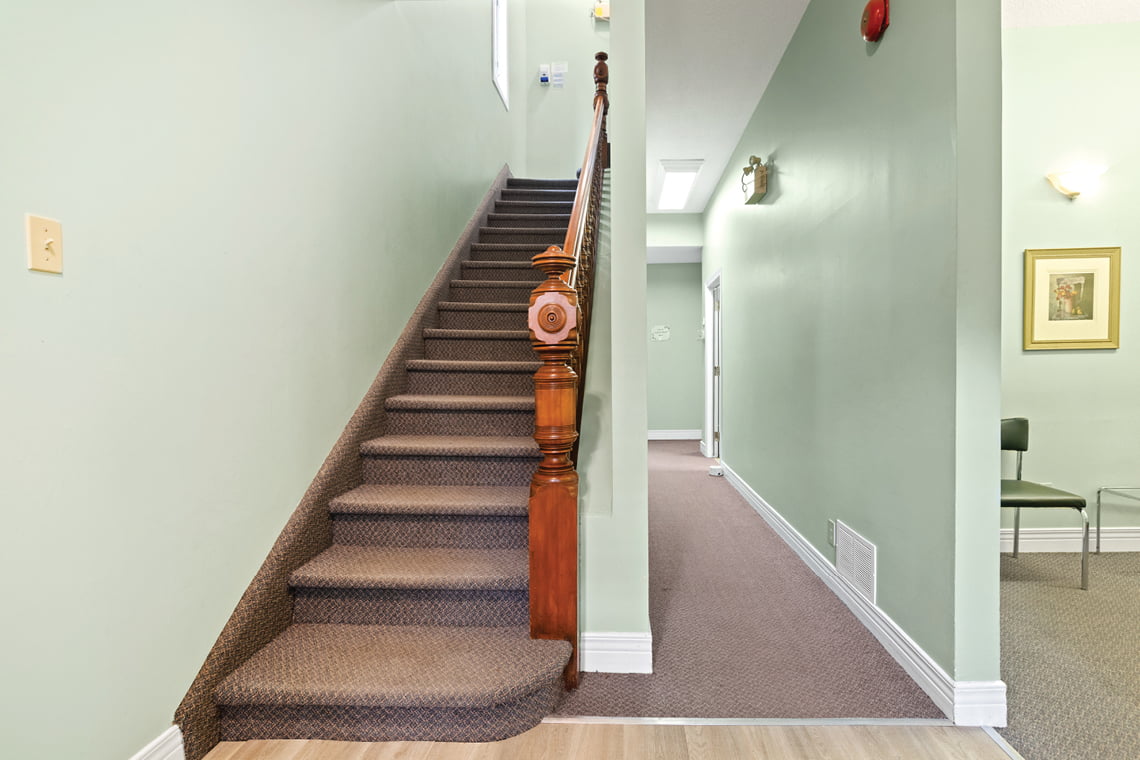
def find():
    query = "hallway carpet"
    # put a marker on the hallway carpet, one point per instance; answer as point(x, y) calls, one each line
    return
point(741, 627)
point(1071, 658)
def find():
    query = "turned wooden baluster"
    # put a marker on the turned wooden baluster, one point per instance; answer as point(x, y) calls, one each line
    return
point(553, 323)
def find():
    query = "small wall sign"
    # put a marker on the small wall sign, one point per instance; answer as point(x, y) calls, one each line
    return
point(660, 332)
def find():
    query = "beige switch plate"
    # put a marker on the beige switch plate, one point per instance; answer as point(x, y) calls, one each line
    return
point(45, 244)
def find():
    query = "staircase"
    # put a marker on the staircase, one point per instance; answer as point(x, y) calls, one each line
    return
point(413, 623)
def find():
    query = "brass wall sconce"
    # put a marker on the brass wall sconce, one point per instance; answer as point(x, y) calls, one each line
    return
point(754, 180)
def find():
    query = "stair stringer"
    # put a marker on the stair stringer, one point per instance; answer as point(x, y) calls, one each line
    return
point(266, 607)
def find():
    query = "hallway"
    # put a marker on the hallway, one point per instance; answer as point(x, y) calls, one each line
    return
point(741, 627)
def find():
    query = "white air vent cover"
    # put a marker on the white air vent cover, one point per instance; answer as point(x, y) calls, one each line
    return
point(855, 560)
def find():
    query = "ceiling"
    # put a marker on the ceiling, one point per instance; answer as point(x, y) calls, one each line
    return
point(706, 66)
point(708, 62)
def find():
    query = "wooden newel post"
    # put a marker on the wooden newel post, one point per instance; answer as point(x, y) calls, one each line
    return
point(553, 322)
point(601, 87)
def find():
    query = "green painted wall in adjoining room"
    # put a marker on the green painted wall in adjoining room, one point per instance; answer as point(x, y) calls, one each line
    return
point(843, 295)
point(685, 230)
point(676, 383)
point(1078, 106)
point(254, 197)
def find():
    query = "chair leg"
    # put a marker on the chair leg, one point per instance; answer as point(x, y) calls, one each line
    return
point(1016, 527)
point(1098, 519)
point(1085, 553)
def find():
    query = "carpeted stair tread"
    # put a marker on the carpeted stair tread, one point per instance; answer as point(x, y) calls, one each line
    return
point(471, 365)
point(526, 285)
point(534, 207)
point(552, 232)
point(531, 182)
point(520, 247)
point(380, 567)
point(504, 266)
point(537, 194)
point(480, 306)
point(441, 402)
point(457, 334)
point(451, 446)
point(552, 221)
point(373, 499)
point(395, 666)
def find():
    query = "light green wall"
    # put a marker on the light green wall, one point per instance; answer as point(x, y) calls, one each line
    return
point(675, 230)
point(676, 382)
point(615, 557)
point(844, 374)
point(254, 196)
point(560, 30)
point(1069, 97)
point(977, 472)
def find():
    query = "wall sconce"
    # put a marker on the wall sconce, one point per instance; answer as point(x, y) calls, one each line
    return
point(754, 180)
point(1073, 182)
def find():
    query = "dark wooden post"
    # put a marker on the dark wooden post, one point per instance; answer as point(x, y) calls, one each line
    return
point(601, 90)
point(553, 323)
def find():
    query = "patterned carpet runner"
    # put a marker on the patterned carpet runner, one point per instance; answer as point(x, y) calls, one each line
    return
point(412, 625)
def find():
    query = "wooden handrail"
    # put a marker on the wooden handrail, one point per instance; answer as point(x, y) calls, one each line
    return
point(559, 322)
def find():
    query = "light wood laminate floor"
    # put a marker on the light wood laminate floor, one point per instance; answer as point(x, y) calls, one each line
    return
point(553, 741)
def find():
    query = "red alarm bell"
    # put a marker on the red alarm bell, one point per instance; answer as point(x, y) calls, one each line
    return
point(876, 19)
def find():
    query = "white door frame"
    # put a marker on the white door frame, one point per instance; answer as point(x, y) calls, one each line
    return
point(710, 441)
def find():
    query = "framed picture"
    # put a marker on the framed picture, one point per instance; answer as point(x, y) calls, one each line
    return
point(1072, 298)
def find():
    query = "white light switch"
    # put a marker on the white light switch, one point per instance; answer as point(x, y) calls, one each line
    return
point(45, 244)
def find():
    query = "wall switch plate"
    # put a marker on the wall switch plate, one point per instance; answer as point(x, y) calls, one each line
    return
point(45, 244)
point(831, 532)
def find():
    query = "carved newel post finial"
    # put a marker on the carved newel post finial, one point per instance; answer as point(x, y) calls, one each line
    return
point(601, 78)
point(553, 323)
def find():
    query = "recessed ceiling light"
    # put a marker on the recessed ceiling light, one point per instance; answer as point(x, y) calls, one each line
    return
point(678, 183)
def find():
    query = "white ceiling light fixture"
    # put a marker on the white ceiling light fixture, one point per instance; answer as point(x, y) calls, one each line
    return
point(678, 183)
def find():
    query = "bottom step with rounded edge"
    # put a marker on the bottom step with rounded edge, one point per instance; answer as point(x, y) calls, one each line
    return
point(393, 683)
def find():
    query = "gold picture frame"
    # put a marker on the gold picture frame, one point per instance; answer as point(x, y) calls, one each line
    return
point(1072, 298)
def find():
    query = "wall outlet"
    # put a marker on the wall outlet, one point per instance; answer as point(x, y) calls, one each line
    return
point(831, 532)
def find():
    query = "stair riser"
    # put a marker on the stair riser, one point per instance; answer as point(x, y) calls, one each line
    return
point(449, 471)
point(479, 349)
point(539, 183)
point(520, 294)
point(482, 320)
point(419, 531)
point(548, 221)
point(533, 207)
point(542, 237)
point(506, 254)
point(432, 422)
point(489, 609)
point(557, 196)
point(521, 274)
point(472, 383)
point(388, 724)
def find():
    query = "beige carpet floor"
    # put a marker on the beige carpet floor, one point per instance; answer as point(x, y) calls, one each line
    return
point(741, 627)
point(1071, 658)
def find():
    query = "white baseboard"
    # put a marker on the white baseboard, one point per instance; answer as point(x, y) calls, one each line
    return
point(967, 703)
point(705, 449)
point(168, 746)
point(1069, 539)
point(675, 435)
point(615, 652)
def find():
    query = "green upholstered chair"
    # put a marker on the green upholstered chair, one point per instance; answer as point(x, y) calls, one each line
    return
point(1024, 494)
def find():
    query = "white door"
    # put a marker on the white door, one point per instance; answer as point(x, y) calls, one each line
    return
point(715, 380)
